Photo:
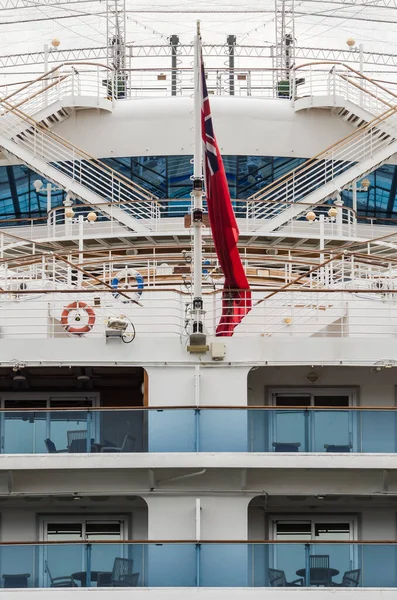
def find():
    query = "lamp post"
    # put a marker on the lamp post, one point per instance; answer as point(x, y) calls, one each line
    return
point(49, 188)
point(332, 215)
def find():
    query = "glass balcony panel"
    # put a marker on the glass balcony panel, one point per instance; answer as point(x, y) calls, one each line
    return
point(288, 427)
point(111, 428)
point(24, 432)
point(288, 558)
point(171, 565)
point(378, 430)
point(342, 558)
point(259, 430)
point(102, 558)
point(224, 565)
point(223, 430)
point(62, 560)
point(18, 561)
point(331, 428)
point(62, 423)
point(379, 565)
point(172, 430)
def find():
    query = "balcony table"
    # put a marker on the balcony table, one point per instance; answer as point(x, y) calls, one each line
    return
point(82, 576)
point(330, 572)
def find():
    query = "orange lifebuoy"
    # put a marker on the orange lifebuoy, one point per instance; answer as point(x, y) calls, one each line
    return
point(75, 306)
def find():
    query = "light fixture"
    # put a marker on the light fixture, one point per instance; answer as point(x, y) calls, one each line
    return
point(76, 496)
point(365, 183)
point(55, 43)
point(69, 212)
point(288, 320)
point(83, 377)
point(131, 252)
point(312, 377)
point(38, 185)
point(332, 212)
point(92, 217)
point(311, 216)
point(351, 42)
point(19, 377)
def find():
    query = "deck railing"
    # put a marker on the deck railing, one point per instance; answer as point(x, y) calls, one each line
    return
point(263, 429)
point(200, 563)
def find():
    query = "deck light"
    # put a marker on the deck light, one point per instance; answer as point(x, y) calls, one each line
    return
point(365, 184)
point(92, 217)
point(69, 212)
point(38, 185)
point(332, 212)
point(351, 42)
point(55, 43)
point(311, 216)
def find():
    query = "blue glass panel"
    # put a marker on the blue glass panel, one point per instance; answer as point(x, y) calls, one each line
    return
point(223, 431)
point(331, 428)
point(172, 565)
point(379, 566)
point(224, 565)
point(378, 431)
point(172, 430)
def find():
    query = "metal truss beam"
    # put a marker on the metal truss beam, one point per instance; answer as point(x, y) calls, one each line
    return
point(12, 4)
point(265, 51)
point(285, 37)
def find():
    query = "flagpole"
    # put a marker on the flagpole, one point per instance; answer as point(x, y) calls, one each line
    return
point(197, 192)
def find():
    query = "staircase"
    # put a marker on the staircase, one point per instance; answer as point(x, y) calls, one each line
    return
point(372, 143)
point(31, 140)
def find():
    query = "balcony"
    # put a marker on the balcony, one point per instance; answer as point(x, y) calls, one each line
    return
point(191, 430)
point(209, 564)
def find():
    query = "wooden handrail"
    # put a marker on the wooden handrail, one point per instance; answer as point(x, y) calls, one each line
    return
point(194, 407)
point(201, 542)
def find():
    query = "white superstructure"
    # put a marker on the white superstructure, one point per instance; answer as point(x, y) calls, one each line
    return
point(266, 460)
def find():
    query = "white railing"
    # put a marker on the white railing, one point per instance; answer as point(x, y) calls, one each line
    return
point(76, 164)
point(69, 84)
point(327, 166)
point(339, 81)
point(40, 313)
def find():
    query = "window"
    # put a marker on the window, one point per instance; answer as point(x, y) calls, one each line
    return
point(320, 529)
point(313, 430)
point(72, 559)
point(20, 434)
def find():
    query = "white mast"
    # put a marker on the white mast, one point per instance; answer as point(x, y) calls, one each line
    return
point(197, 338)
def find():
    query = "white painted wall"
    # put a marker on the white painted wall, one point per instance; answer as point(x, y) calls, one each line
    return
point(162, 126)
point(373, 388)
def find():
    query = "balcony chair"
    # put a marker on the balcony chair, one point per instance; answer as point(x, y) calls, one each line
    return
point(349, 579)
point(51, 448)
point(337, 447)
point(63, 581)
point(286, 446)
point(121, 576)
point(319, 570)
point(277, 578)
point(77, 440)
point(128, 445)
point(19, 580)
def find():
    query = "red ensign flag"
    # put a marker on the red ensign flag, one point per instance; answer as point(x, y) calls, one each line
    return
point(236, 296)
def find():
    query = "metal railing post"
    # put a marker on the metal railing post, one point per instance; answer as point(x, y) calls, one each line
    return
point(307, 565)
point(88, 570)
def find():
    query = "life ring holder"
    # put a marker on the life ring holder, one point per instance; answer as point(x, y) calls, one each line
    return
point(76, 306)
point(125, 274)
